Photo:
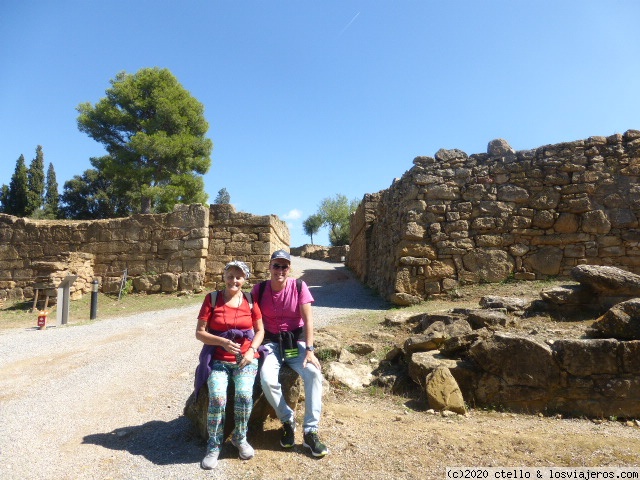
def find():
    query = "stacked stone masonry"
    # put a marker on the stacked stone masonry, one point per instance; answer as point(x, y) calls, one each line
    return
point(246, 237)
point(181, 250)
point(456, 218)
point(335, 254)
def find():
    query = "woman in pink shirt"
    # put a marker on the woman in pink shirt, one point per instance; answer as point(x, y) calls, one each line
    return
point(286, 311)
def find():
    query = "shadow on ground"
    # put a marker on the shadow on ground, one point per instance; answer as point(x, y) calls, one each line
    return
point(338, 288)
point(175, 442)
point(162, 443)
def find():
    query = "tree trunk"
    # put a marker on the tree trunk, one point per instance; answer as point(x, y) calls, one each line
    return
point(145, 205)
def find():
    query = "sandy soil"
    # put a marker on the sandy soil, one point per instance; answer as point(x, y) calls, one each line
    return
point(105, 400)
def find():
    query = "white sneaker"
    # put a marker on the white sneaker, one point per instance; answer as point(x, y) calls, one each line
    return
point(210, 461)
point(244, 449)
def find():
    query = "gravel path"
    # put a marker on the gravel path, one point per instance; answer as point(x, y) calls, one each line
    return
point(105, 400)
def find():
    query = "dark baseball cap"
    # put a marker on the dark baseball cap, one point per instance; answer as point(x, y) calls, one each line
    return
point(281, 254)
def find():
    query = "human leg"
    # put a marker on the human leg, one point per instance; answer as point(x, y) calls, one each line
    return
point(271, 387)
point(312, 379)
point(269, 380)
point(217, 383)
point(243, 381)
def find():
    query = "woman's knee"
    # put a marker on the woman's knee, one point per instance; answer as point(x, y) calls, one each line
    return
point(269, 383)
point(312, 375)
point(217, 401)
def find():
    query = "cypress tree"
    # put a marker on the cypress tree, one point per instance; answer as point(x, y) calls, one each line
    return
point(4, 199)
point(35, 195)
point(51, 197)
point(18, 189)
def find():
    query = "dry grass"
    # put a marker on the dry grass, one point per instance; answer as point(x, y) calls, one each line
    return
point(374, 434)
point(19, 315)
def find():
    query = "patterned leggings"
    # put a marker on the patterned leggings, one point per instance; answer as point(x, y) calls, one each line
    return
point(217, 382)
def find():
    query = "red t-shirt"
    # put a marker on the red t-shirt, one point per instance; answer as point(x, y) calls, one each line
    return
point(224, 317)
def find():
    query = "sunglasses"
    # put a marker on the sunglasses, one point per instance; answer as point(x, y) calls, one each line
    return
point(277, 266)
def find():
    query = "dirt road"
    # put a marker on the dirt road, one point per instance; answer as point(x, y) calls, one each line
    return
point(105, 400)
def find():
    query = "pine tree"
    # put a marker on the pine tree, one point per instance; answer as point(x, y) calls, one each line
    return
point(51, 197)
point(18, 189)
point(154, 131)
point(35, 175)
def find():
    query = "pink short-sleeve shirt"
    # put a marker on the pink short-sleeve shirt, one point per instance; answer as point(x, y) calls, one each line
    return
point(281, 310)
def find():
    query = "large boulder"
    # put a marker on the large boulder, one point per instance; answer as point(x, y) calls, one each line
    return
point(516, 360)
point(514, 371)
point(443, 392)
point(607, 280)
point(422, 364)
point(435, 335)
point(584, 357)
point(510, 304)
point(197, 407)
point(622, 321)
point(355, 377)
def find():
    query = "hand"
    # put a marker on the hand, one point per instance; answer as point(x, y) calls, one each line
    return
point(231, 347)
point(312, 359)
point(247, 358)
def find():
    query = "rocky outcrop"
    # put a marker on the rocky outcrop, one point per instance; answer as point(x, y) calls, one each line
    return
point(596, 375)
point(599, 289)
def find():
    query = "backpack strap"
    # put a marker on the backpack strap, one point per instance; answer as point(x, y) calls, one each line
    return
point(261, 288)
point(263, 284)
point(249, 298)
point(214, 298)
point(247, 295)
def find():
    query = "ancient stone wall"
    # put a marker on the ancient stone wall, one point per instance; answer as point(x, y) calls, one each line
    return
point(242, 236)
point(336, 254)
point(596, 378)
point(181, 250)
point(532, 214)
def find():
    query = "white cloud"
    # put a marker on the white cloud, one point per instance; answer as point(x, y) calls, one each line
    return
point(294, 214)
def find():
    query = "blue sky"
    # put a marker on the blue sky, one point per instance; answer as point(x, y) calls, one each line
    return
point(308, 99)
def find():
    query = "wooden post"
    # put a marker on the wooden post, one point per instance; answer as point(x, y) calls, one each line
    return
point(35, 301)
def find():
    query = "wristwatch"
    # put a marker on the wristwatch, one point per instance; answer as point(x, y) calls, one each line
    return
point(310, 348)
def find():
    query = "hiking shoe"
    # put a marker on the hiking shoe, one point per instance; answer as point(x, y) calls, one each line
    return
point(288, 439)
point(210, 461)
point(313, 443)
point(244, 449)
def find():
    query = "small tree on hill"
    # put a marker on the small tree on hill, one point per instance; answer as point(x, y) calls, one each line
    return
point(335, 213)
point(312, 225)
point(223, 197)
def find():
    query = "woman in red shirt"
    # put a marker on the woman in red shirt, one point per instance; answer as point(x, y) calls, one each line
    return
point(231, 330)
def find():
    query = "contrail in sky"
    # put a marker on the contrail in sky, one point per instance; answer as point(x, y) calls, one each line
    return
point(349, 24)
